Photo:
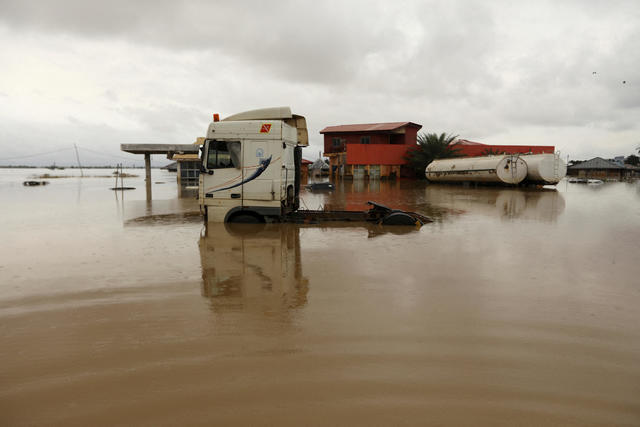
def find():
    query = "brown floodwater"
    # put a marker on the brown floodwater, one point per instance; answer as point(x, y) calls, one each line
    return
point(514, 307)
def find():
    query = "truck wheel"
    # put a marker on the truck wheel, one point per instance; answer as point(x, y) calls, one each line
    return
point(398, 218)
point(246, 218)
point(290, 196)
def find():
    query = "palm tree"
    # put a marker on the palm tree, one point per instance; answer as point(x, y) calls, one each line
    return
point(431, 146)
point(490, 152)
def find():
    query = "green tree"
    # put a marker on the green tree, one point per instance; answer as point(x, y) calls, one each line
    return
point(490, 152)
point(632, 160)
point(430, 146)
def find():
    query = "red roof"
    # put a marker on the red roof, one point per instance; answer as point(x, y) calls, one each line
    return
point(368, 127)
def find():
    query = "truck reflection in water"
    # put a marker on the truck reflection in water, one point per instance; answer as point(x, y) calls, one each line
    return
point(252, 266)
point(543, 205)
point(258, 267)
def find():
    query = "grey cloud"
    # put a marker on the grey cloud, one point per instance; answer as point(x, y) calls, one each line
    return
point(301, 41)
point(470, 67)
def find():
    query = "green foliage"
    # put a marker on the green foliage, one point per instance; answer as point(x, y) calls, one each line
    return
point(632, 160)
point(431, 146)
point(490, 152)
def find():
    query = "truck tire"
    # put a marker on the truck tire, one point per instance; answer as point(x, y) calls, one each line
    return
point(290, 196)
point(398, 218)
point(246, 218)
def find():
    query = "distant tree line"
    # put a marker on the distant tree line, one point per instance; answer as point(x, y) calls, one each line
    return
point(632, 160)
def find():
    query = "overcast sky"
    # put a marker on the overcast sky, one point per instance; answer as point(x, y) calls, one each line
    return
point(99, 74)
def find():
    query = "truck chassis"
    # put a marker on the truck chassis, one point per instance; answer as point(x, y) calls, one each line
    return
point(378, 214)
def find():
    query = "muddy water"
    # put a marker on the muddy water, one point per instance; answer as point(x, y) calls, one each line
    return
point(513, 307)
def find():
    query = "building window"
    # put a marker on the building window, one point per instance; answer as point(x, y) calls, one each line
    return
point(337, 142)
point(365, 140)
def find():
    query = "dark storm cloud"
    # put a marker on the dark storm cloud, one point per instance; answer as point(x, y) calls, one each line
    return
point(312, 41)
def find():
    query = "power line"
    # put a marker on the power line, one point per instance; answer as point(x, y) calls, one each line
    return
point(35, 155)
point(105, 154)
point(70, 148)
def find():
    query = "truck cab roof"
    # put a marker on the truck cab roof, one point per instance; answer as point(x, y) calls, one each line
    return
point(276, 113)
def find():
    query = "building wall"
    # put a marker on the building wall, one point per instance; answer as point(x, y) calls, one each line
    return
point(385, 171)
point(354, 138)
point(376, 154)
point(596, 173)
point(411, 135)
point(304, 173)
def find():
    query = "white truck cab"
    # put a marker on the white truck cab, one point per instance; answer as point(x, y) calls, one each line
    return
point(251, 166)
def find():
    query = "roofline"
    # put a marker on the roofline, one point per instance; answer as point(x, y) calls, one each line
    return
point(581, 164)
point(404, 124)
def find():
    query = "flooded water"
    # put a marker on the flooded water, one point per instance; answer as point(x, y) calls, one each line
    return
point(513, 307)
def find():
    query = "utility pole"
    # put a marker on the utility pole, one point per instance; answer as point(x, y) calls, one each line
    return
point(78, 158)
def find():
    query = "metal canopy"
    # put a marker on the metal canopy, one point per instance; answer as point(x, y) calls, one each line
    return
point(149, 149)
point(160, 148)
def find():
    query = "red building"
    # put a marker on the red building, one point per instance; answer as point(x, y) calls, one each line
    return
point(473, 149)
point(374, 149)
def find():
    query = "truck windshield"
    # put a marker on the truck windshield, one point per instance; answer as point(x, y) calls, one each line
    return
point(223, 154)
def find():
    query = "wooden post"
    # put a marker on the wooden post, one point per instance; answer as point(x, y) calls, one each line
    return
point(147, 171)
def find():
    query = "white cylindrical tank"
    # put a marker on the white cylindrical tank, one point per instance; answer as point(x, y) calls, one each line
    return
point(544, 168)
point(505, 169)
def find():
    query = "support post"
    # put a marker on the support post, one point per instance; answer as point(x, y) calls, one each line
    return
point(147, 173)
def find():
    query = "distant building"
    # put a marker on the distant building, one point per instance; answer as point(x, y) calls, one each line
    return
point(188, 168)
point(619, 160)
point(318, 168)
point(171, 167)
point(602, 169)
point(304, 169)
point(474, 149)
point(376, 150)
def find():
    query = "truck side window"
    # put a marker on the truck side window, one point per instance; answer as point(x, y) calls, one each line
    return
point(223, 154)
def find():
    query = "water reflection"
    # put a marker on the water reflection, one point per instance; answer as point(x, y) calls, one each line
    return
point(506, 203)
point(252, 266)
point(441, 201)
point(159, 212)
point(354, 195)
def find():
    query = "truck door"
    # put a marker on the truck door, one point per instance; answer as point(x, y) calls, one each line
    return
point(258, 176)
point(223, 170)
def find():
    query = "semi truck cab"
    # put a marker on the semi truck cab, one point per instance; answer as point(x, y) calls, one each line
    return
point(250, 168)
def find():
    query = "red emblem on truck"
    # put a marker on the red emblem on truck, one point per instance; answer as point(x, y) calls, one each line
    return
point(266, 128)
